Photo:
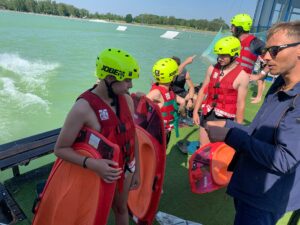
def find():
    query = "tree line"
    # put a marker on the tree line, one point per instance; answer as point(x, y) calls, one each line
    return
point(61, 9)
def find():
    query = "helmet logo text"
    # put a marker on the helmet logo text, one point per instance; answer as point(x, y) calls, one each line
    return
point(113, 71)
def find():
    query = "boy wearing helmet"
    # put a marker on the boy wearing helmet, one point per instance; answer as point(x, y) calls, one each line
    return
point(224, 90)
point(164, 71)
point(105, 108)
point(251, 48)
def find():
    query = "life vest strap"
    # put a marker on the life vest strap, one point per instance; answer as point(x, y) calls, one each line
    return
point(85, 136)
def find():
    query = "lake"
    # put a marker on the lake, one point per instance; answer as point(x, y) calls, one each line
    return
point(47, 61)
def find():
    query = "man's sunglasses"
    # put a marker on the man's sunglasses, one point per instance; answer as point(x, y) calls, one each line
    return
point(273, 50)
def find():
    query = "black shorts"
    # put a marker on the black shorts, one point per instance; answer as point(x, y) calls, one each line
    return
point(211, 116)
point(182, 94)
point(197, 88)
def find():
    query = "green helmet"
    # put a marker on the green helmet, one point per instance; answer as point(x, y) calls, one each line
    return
point(228, 46)
point(242, 20)
point(164, 70)
point(118, 63)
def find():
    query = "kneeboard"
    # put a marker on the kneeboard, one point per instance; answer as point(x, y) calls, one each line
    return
point(74, 195)
point(143, 202)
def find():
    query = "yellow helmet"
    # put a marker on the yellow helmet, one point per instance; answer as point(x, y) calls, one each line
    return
point(118, 63)
point(164, 70)
point(242, 20)
point(228, 46)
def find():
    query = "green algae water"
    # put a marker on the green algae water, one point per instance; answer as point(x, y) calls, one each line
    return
point(47, 61)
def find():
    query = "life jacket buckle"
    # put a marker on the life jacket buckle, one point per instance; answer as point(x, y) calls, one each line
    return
point(217, 85)
point(121, 128)
point(105, 150)
point(81, 136)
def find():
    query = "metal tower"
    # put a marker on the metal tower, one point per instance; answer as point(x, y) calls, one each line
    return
point(269, 12)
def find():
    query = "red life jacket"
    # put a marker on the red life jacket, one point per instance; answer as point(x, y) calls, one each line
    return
point(247, 58)
point(118, 130)
point(168, 109)
point(221, 96)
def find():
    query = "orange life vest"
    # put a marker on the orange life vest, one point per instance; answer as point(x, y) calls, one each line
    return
point(221, 96)
point(247, 58)
point(118, 130)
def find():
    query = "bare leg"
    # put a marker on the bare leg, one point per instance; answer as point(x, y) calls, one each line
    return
point(260, 89)
point(181, 102)
point(203, 137)
point(120, 203)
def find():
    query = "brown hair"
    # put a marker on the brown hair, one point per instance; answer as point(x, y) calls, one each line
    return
point(292, 29)
point(177, 60)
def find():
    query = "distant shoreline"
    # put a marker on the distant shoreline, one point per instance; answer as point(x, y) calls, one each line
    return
point(167, 27)
point(164, 27)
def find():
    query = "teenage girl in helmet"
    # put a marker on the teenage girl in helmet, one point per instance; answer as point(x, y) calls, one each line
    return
point(164, 71)
point(115, 69)
point(224, 88)
point(251, 49)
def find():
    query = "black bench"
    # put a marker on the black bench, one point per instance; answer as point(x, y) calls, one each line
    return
point(18, 152)
point(10, 212)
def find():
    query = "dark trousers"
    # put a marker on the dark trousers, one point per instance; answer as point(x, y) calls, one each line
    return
point(249, 215)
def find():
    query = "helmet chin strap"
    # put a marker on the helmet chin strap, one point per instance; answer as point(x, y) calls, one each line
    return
point(112, 95)
point(232, 59)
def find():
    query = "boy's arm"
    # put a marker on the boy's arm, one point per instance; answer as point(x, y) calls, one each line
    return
point(154, 95)
point(201, 95)
point(136, 177)
point(187, 61)
point(241, 98)
point(190, 84)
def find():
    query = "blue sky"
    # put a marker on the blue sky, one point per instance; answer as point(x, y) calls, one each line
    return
point(186, 9)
